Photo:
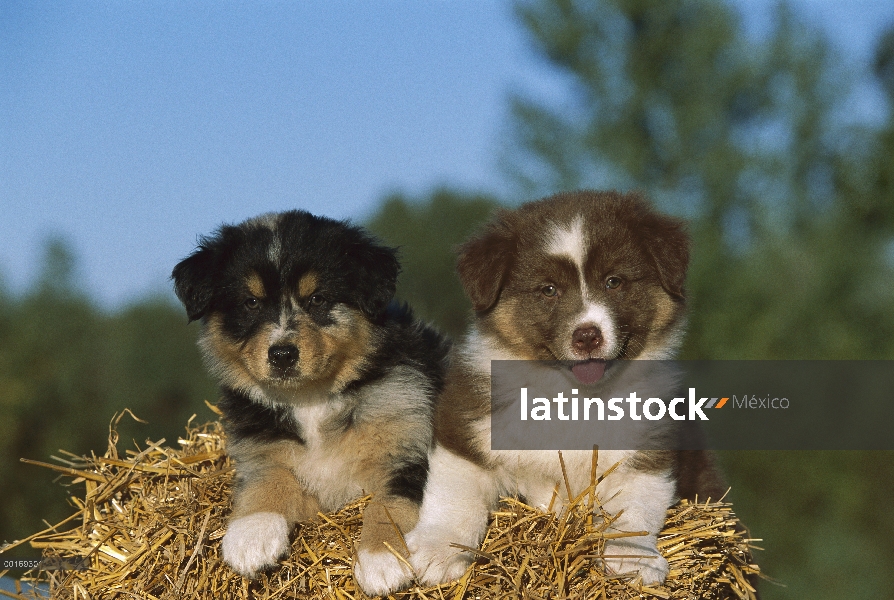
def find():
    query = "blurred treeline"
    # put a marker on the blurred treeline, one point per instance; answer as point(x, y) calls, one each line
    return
point(791, 208)
point(66, 367)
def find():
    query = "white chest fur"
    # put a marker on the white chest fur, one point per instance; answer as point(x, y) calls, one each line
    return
point(312, 418)
point(324, 468)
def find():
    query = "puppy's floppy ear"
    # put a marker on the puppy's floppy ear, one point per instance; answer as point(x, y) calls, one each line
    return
point(376, 275)
point(194, 279)
point(484, 262)
point(668, 244)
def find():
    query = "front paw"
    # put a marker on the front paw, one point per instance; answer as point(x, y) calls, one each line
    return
point(255, 542)
point(644, 560)
point(434, 560)
point(380, 573)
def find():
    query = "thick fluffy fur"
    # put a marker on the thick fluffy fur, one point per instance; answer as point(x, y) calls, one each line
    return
point(590, 278)
point(328, 390)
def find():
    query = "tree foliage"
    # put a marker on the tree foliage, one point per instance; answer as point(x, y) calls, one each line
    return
point(66, 367)
point(426, 230)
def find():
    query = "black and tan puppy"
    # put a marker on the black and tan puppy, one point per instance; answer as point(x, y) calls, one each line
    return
point(328, 387)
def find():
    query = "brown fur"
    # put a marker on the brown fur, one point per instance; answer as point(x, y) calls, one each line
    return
point(225, 351)
point(509, 261)
point(267, 484)
point(385, 522)
point(465, 399)
point(255, 285)
point(331, 355)
point(503, 268)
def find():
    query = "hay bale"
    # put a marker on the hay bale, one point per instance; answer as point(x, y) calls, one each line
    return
point(151, 523)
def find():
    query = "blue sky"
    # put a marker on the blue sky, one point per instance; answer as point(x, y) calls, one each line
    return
point(129, 128)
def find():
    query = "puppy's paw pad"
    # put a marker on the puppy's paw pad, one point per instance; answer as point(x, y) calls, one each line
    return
point(255, 542)
point(380, 573)
point(434, 559)
point(647, 562)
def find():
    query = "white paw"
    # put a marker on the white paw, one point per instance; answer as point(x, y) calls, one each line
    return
point(653, 569)
point(255, 542)
point(380, 573)
point(434, 559)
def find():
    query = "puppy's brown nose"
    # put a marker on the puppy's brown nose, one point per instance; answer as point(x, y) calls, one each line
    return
point(282, 357)
point(586, 339)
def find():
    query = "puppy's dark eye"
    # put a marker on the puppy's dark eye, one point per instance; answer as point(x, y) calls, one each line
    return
point(317, 300)
point(613, 282)
point(550, 291)
point(252, 303)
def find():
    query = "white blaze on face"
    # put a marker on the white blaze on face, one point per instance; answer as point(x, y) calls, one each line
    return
point(569, 241)
point(283, 329)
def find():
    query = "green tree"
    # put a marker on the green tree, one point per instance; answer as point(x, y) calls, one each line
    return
point(426, 230)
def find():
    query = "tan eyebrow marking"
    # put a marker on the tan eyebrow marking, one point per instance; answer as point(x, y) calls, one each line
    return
point(307, 284)
point(255, 285)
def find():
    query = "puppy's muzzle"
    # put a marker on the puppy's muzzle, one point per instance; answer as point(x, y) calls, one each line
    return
point(586, 339)
point(283, 357)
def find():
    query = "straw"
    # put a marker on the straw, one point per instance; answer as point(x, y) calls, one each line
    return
point(152, 521)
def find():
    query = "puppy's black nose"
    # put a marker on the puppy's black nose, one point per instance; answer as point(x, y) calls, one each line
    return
point(282, 357)
point(586, 339)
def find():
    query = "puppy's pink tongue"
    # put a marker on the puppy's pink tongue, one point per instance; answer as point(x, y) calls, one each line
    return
point(589, 371)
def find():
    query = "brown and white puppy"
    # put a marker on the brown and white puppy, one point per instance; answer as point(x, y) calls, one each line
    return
point(328, 388)
point(591, 279)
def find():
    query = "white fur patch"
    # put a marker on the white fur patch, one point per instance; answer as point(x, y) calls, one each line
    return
point(380, 573)
point(255, 542)
point(653, 569)
point(455, 508)
point(569, 241)
point(326, 469)
point(434, 560)
point(644, 498)
point(311, 417)
point(479, 350)
point(282, 328)
point(595, 314)
point(269, 220)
